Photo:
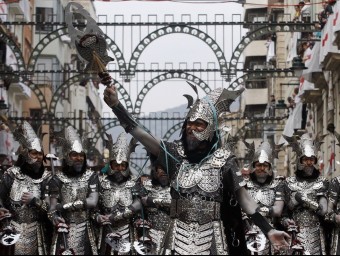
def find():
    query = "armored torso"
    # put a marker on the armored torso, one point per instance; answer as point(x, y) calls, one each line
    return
point(311, 232)
point(263, 195)
point(205, 178)
point(113, 195)
point(73, 189)
point(23, 183)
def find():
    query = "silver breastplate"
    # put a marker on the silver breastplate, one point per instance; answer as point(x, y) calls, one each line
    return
point(23, 183)
point(74, 189)
point(206, 176)
point(112, 195)
point(307, 188)
point(263, 195)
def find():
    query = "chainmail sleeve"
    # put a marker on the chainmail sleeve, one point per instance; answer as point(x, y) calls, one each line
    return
point(232, 176)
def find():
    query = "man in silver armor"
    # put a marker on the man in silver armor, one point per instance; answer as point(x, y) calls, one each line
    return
point(267, 192)
point(22, 194)
point(333, 214)
point(73, 194)
point(307, 193)
point(157, 203)
point(201, 171)
point(117, 203)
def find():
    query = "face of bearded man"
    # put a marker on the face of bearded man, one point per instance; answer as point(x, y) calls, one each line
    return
point(262, 172)
point(198, 126)
point(308, 163)
point(76, 162)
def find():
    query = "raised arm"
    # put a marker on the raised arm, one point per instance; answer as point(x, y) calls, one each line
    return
point(129, 123)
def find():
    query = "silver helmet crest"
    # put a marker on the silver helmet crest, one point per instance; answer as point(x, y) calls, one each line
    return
point(121, 150)
point(306, 146)
point(209, 108)
point(69, 140)
point(27, 137)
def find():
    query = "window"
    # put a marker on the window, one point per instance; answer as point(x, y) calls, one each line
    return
point(44, 15)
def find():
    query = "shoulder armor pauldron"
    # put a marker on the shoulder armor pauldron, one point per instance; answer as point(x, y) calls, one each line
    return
point(104, 182)
point(220, 157)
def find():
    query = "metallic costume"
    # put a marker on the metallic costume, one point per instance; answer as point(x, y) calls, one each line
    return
point(30, 219)
point(310, 190)
point(117, 199)
point(197, 194)
point(333, 197)
point(159, 214)
point(264, 194)
point(71, 190)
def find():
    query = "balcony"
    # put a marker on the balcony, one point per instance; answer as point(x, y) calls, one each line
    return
point(21, 90)
point(256, 48)
point(19, 7)
point(311, 96)
point(255, 96)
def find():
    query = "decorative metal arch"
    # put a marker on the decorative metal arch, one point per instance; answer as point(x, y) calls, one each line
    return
point(41, 97)
point(172, 130)
point(63, 31)
point(172, 30)
point(75, 79)
point(164, 77)
point(265, 73)
point(16, 50)
point(269, 28)
point(136, 167)
point(103, 129)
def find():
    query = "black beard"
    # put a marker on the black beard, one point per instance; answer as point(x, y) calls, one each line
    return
point(192, 144)
point(308, 170)
point(77, 167)
point(34, 170)
point(118, 177)
point(74, 170)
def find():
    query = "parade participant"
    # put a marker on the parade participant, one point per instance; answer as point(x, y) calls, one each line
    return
point(333, 214)
point(118, 203)
point(307, 193)
point(157, 203)
point(22, 193)
point(73, 193)
point(267, 192)
point(201, 173)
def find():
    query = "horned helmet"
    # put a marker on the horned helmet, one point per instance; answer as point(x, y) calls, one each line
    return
point(306, 146)
point(264, 153)
point(120, 151)
point(208, 109)
point(28, 140)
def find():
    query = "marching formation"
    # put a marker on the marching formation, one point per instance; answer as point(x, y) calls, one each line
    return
point(195, 201)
